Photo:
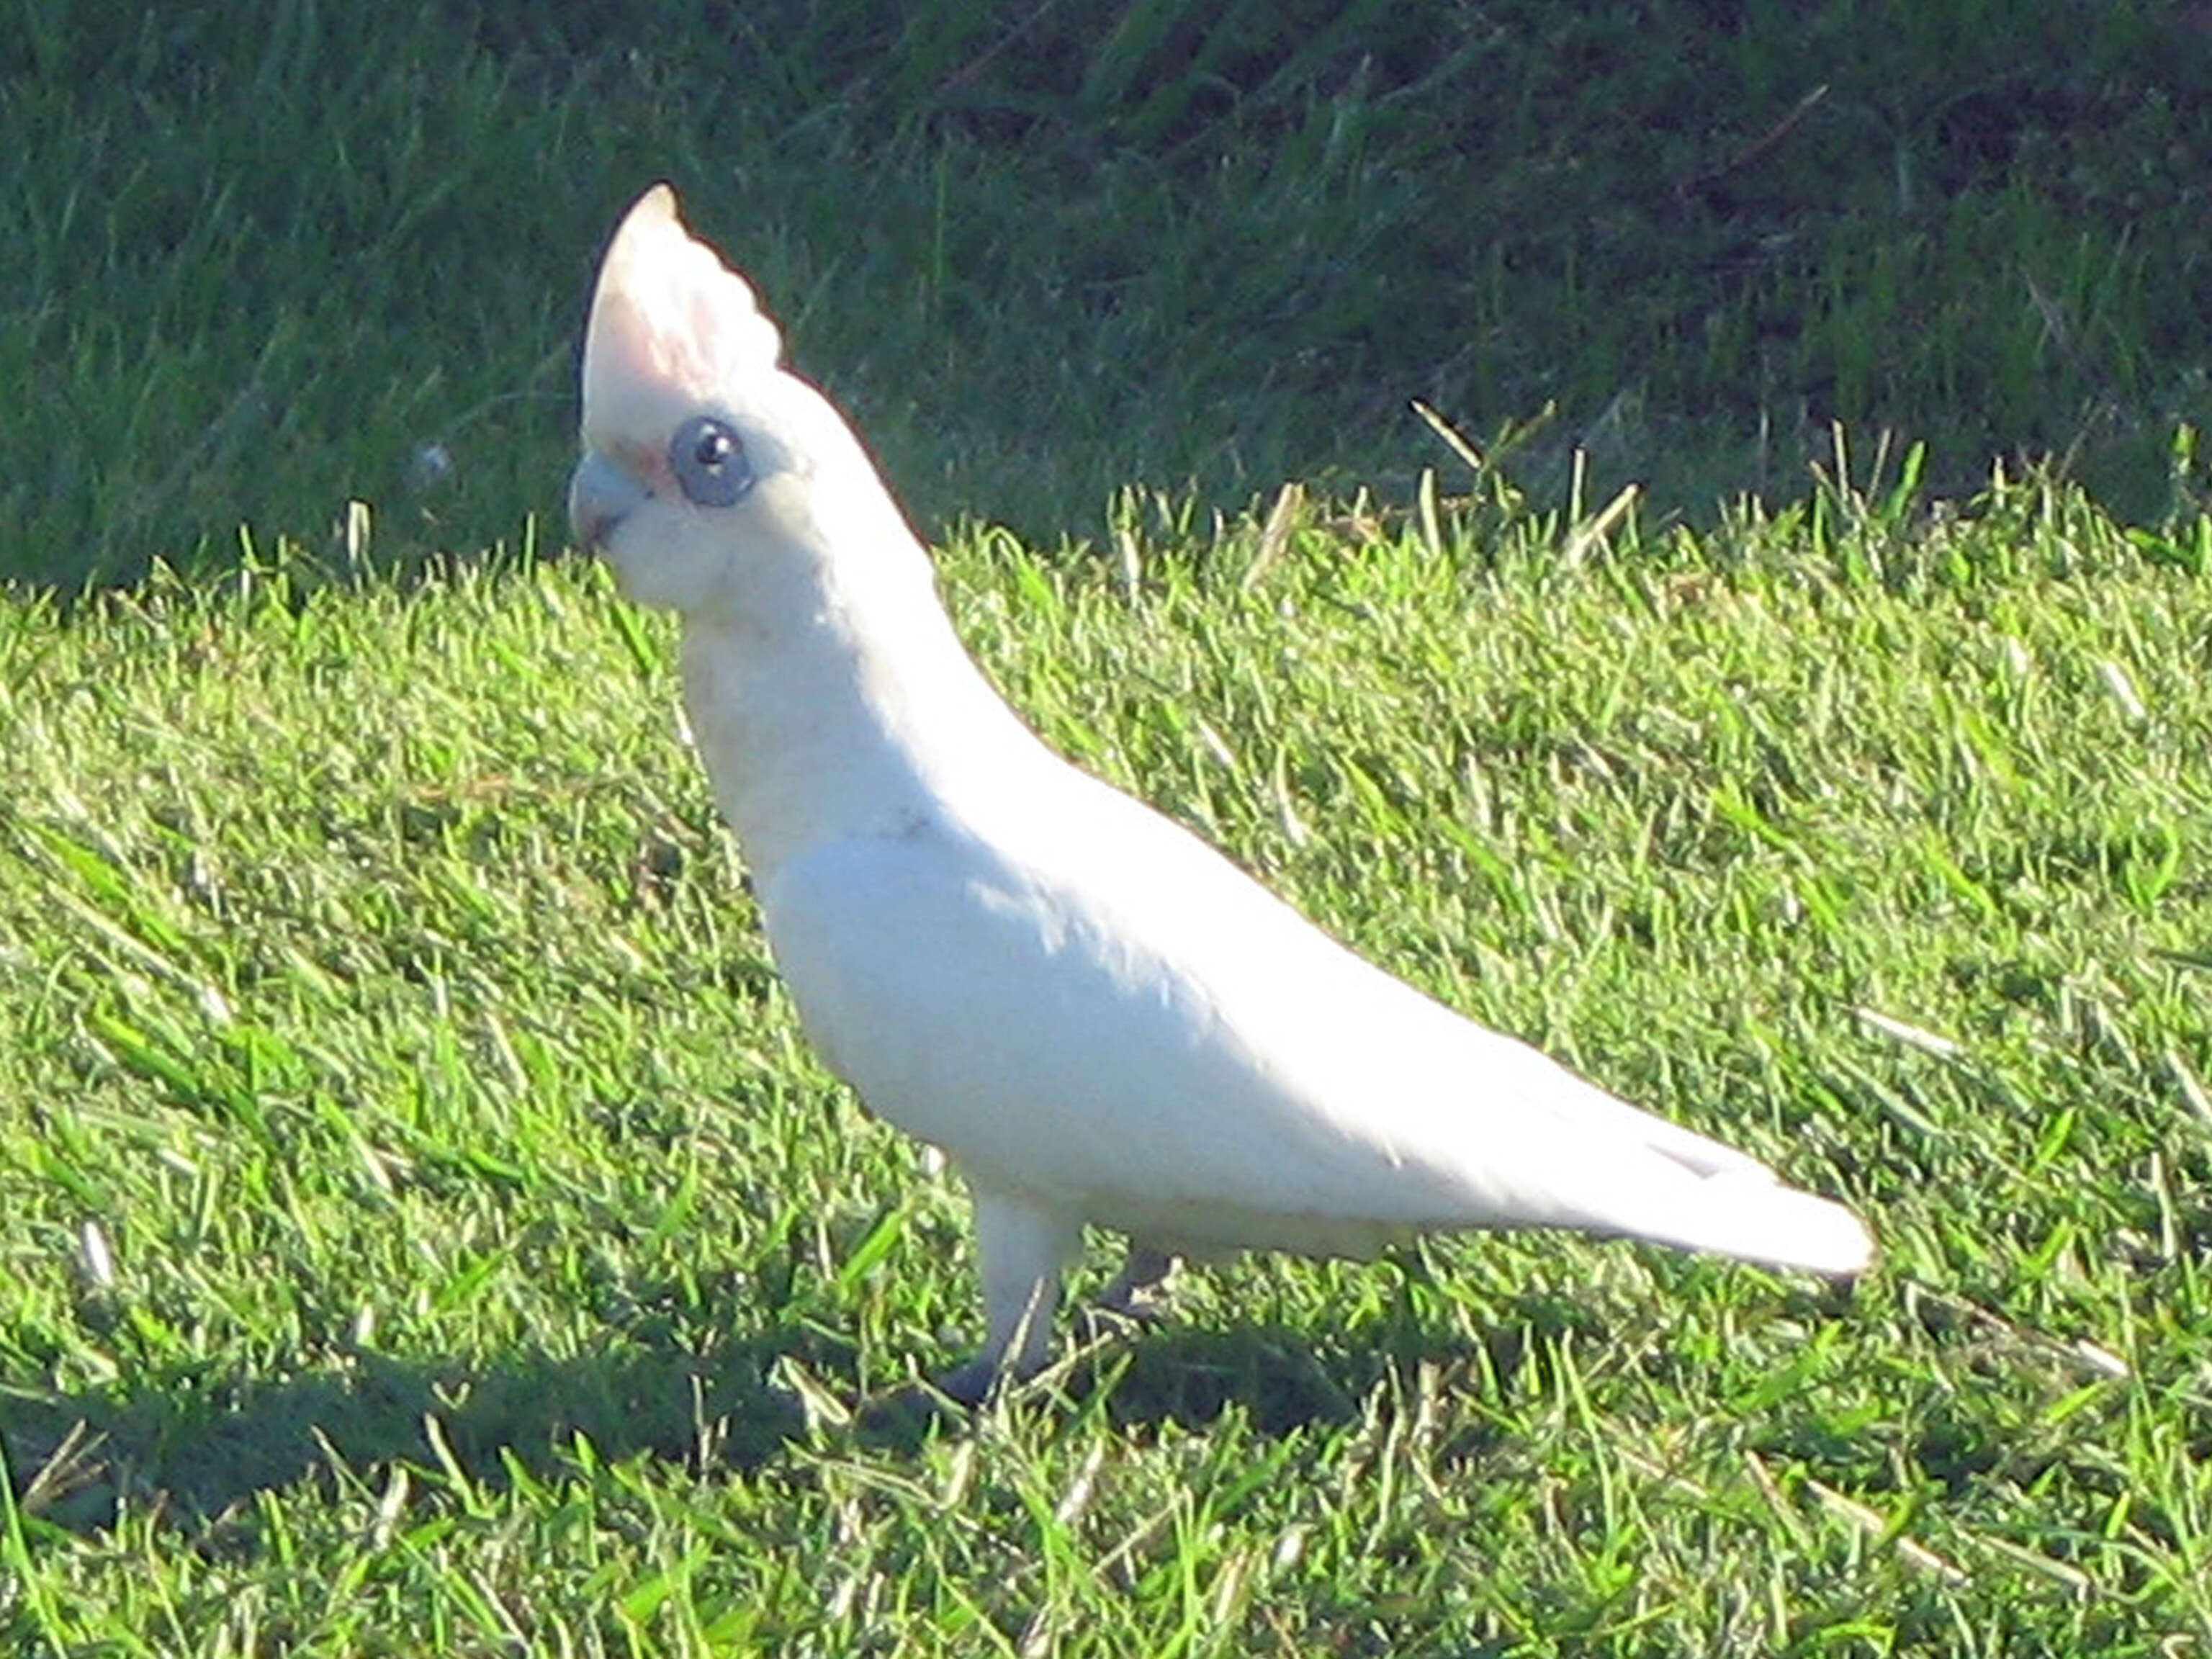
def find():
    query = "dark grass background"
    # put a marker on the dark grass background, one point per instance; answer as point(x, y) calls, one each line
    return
point(258, 262)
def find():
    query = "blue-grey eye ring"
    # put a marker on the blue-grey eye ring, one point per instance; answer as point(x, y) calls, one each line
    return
point(709, 463)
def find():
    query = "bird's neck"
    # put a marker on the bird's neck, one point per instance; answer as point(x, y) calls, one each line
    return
point(857, 713)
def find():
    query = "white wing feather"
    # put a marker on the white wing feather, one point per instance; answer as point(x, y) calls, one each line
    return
point(1082, 1001)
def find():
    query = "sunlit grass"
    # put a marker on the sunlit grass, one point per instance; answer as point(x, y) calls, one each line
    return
point(426, 1232)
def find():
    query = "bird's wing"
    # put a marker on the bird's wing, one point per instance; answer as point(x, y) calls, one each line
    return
point(1090, 1004)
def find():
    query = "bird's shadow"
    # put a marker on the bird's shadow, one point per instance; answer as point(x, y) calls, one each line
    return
point(1280, 1379)
point(200, 1449)
point(1276, 1378)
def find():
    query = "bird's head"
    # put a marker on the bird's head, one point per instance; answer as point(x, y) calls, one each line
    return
point(704, 460)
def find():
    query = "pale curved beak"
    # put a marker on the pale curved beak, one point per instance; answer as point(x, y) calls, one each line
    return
point(600, 496)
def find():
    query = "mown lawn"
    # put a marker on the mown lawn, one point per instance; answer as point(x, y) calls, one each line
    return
point(426, 1233)
point(423, 1232)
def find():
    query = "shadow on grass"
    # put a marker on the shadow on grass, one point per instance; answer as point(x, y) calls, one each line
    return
point(1281, 1381)
point(1278, 1379)
point(203, 1448)
point(1270, 1376)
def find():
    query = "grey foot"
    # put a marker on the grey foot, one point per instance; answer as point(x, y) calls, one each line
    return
point(1021, 1246)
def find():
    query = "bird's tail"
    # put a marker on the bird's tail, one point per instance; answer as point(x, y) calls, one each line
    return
point(1746, 1214)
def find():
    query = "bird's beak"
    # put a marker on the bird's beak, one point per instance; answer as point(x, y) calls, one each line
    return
point(600, 496)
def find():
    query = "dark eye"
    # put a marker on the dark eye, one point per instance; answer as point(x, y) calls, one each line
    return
point(709, 462)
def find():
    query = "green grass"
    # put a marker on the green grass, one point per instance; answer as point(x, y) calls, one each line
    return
point(425, 1231)
point(260, 262)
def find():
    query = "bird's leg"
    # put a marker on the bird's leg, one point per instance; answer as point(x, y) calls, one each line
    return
point(1140, 1292)
point(1022, 1247)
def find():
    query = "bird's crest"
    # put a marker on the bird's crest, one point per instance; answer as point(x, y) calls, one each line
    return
point(670, 322)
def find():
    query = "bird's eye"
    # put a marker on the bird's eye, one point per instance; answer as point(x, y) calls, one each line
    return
point(709, 463)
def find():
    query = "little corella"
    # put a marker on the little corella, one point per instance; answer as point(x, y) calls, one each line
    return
point(1098, 1018)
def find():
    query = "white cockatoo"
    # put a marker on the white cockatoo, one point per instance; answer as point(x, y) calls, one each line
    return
point(1099, 1019)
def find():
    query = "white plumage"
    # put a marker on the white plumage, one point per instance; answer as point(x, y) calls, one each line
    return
point(1097, 1018)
